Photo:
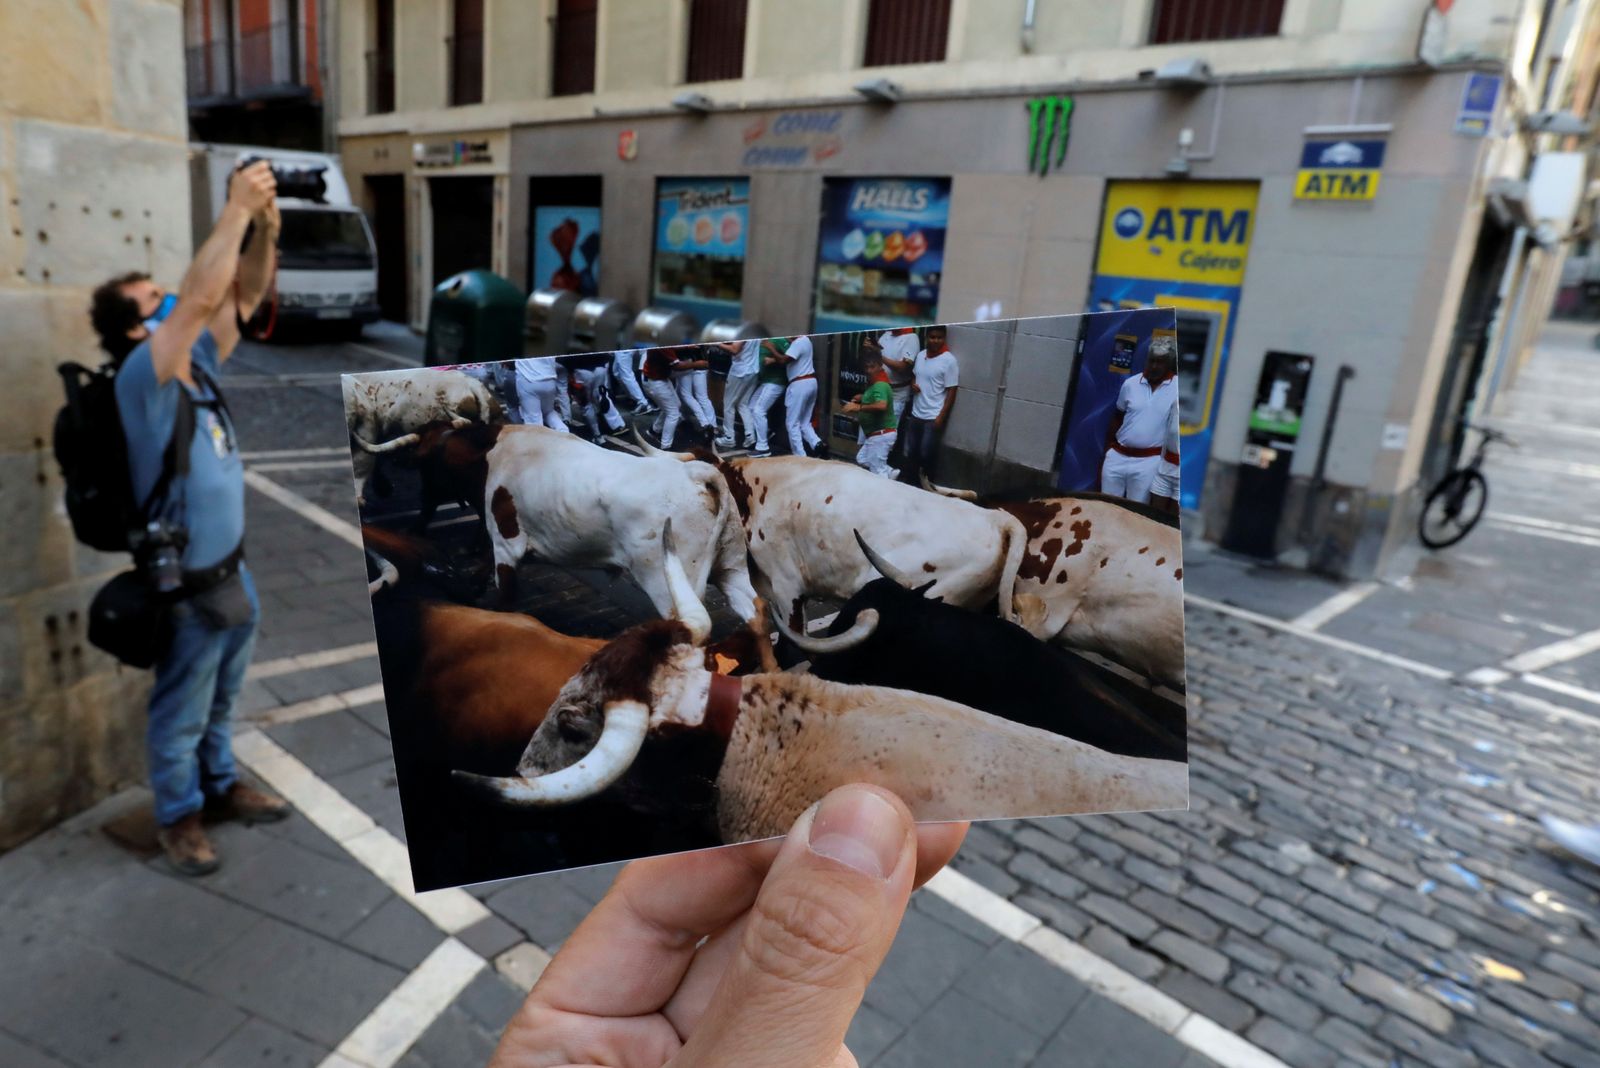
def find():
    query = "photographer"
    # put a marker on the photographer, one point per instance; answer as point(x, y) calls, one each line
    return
point(192, 548)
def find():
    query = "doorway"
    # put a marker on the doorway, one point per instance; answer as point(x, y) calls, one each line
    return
point(463, 225)
point(386, 193)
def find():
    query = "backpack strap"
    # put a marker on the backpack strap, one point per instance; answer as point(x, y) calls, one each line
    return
point(175, 460)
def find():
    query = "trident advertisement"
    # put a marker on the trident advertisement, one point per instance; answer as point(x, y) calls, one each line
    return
point(1179, 245)
point(699, 249)
point(881, 252)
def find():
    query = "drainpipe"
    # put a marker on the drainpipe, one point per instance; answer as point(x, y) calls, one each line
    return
point(1505, 323)
point(1027, 25)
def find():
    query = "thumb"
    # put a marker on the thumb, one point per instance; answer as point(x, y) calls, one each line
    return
point(820, 927)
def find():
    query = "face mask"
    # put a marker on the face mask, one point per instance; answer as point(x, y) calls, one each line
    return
point(168, 302)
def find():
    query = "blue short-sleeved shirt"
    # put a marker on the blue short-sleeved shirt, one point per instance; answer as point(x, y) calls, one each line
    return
point(209, 501)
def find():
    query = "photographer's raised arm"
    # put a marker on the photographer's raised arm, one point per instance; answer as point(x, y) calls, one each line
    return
point(208, 283)
point(256, 264)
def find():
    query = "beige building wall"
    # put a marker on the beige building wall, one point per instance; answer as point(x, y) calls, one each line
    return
point(93, 181)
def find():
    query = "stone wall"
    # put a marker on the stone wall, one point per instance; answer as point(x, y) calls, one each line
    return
point(93, 182)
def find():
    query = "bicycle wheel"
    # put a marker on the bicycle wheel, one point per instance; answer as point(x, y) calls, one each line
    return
point(1453, 508)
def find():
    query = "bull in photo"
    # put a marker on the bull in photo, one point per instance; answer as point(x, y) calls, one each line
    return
point(386, 413)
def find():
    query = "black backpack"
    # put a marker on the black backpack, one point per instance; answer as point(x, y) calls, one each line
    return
point(93, 456)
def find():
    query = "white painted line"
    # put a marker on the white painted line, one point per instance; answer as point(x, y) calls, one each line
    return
point(1548, 708)
point(317, 706)
point(398, 361)
point(1546, 524)
point(304, 465)
point(1558, 467)
point(1197, 1032)
point(286, 665)
point(1566, 688)
point(1558, 428)
point(1414, 666)
point(400, 1019)
point(1336, 605)
point(379, 851)
point(1487, 676)
point(342, 529)
point(1555, 653)
point(284, 454)
point(1541, 532)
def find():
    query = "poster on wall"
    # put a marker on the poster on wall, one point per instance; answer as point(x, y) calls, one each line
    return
point(699, 252)
point(880, 252)
point(1179, 245)
point(566, 248)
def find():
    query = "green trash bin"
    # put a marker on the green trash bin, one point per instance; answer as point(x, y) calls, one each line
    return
point(474, 317)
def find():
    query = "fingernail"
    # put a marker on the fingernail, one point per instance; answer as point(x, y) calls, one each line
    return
point(860, 830)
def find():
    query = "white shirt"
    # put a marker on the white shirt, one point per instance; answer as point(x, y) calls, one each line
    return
point(935, 376)
point(536, 369)
point(1170, 444)
point(799, 364)
point(898, 347)
point(1145, 411)
point(747, 361)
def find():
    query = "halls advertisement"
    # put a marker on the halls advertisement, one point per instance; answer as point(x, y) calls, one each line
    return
point(881, 251)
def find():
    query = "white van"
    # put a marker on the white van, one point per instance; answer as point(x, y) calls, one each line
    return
point(327, 261)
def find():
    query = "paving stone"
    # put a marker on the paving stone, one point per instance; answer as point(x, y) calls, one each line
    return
point(1340, 916)
point(1070, 921)
point(299, 886)
point(1499, 1049)
point(1033, 870)
point(454, 1039)
point(1228, 912)
point(1202, 960)
point(1214, 878)
point(1578, 972)
point(260, 1044)
point(1051, 848)
point(995, 878)
point(926, 958)
point(490, 937)
point(1104, 878)
point(1399, 998)
point(491, 999)
point(1175, 914)
point(1169, 881)
point(1569, 1054)
point(395, 932)
point(1424, 1047)
point(939, 909)
point(1295, 1046)
point(1249, 953)
point(541, 908)
point(1130, 921)
point(1339, 888)
point(1430, 931)
point(958, 1029)
point(870, 1033)
point(1099, 1032)
point(1325, 990)
point(1103, 941)
point(13, 1054)
point(1021, 985)
point(1274, 999)
point(1144, 845)
point(1354, 1045)
point(374, 715)
point(1208, 999)
point(991, 845)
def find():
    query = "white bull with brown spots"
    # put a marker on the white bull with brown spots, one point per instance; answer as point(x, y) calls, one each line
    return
point(801, 518)
point(1103, 576)
point(559, 499)
point(387, 412)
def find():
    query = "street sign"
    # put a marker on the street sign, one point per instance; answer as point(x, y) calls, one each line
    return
point(1339, 169)
point(1478, 99)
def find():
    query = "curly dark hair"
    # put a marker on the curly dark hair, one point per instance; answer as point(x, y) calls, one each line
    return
point(113, 314)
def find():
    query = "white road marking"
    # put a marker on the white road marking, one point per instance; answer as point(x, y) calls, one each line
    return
point(1547, 708)
point(1566, 688)
point(1487, 676)
point(317, 706)
point(1555, 653)
point(284, 454)
point(304, 465)
point(400, 1019)
point(1540, 532)
point(1198, 1032)
point(342, 529)
point(1339, 603)
point(1555, 467)
point(1545, 524)
point(398, 361)
point(1558, 428)
point(285, 665)
point(1416, 667)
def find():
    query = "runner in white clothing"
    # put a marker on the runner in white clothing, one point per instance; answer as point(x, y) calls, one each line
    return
point(624, 365)
point(739, 392)
point(1139, 426)
point(1168, 482)
point(690, 374)
point(899, 349)
point(536, 393)
point(800, 399)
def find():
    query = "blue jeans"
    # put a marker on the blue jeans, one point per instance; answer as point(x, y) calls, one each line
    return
point(190, 735)
point(919, 444)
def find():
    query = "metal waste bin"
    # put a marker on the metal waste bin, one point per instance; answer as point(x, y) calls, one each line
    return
point(547, 323)
point(657, 327)
point(474, 317)
point(732, 330)
point(600, 324)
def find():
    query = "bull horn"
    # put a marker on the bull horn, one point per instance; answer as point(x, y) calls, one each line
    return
point(388, 574)
point(388, 446)
point(460, 421)
point(946, 491)
point(862, 629)
point(651, 450)
point(621, 738)
point(884, 567)
point(686, 607)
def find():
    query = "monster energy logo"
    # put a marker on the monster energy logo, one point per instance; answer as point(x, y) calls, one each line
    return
point(1048, 117)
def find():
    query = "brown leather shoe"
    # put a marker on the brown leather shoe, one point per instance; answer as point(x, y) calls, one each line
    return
point(248, 804)
point(188, 849)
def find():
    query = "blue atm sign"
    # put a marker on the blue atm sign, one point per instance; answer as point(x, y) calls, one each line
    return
point(1339, 170)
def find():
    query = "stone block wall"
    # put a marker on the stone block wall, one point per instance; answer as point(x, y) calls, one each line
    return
point(93, 182)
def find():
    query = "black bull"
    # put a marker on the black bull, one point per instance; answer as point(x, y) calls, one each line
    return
point(986, 663)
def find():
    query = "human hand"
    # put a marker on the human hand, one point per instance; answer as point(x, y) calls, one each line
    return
point(270, 218)
point(938, 424)
point(253, 188)
point(793, 932)
point(850, 406)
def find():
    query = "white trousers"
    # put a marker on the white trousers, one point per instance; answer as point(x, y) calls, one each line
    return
point(665, 398)
point(538, 403)
point(1128, 476)
point(767, 394)
point(692, 388)
point(600, 409)
point(874, 454)
point(1167, 482)
point(799, 401)
point(737, 396)
point(901, 394)
point(622, 374)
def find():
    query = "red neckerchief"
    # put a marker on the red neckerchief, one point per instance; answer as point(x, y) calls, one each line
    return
point(902, 331)
point(722, 704)
point(939, 352)
point(880, 377)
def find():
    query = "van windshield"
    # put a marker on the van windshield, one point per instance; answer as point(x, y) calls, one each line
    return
point(322, 241)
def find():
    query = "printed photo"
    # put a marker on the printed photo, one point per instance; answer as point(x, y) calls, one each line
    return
point(653, 600)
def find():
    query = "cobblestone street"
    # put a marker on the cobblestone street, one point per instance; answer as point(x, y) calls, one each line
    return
point(1361, 879)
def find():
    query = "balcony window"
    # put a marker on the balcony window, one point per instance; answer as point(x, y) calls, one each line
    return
point(1176, 21)
point(465, 49)
point(906, 31)
point(572, 40)
point(716, 40)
